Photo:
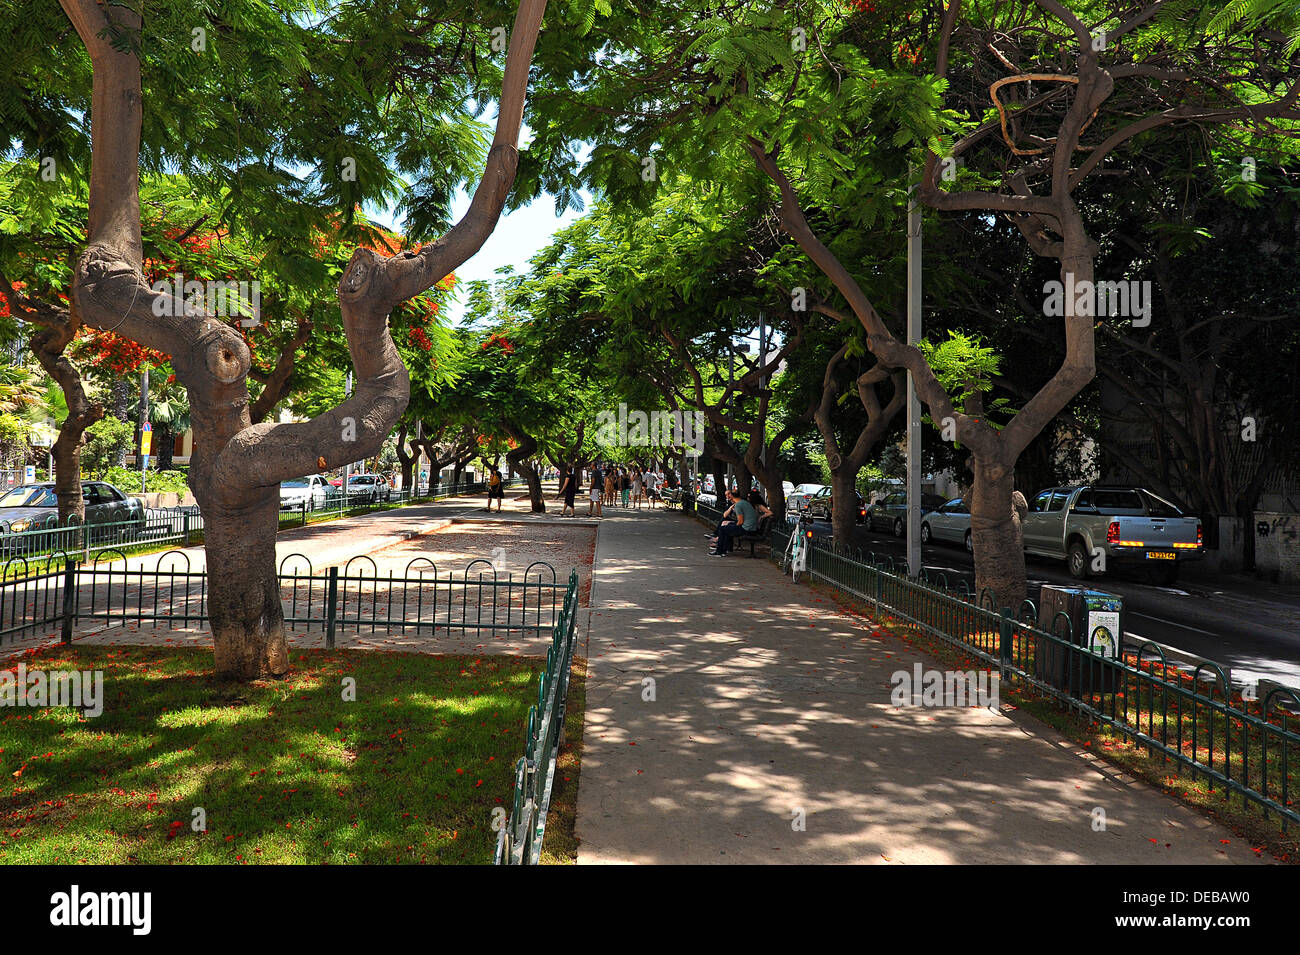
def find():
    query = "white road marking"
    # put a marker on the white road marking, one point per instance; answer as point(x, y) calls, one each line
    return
point(1172, 623)
point(1167, 646)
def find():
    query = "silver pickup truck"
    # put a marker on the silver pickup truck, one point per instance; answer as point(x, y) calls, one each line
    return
point(1096, 528)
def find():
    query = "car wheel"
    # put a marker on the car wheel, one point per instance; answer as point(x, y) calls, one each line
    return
point(1077, 560)
point(925, 533)
point(899, 528)
point(970, 543)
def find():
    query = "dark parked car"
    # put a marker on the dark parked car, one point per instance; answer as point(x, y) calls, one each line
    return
point(890, 513)
point(821, 504)
point(31, 508)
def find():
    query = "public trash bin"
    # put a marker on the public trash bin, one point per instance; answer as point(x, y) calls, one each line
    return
point(688, 502)
point(1083, 662)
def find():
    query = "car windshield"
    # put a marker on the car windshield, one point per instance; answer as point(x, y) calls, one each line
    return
point(29, 497)
point(297, 482)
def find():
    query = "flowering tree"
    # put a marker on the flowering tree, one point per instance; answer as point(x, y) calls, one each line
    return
point(237, 465)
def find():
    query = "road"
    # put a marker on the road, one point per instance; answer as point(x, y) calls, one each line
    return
point(1249, 626)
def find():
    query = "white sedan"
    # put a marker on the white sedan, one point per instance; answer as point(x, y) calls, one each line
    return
point(796, 499)
point(950, 523)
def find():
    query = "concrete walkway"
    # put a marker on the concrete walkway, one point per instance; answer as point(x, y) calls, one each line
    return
point(770, 706)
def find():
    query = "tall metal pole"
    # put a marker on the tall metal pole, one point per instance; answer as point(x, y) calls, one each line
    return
point(419, 455)
point(731, 406)
point(913, 404)
point(762, 382)
point(347, 468)
point(144, 426)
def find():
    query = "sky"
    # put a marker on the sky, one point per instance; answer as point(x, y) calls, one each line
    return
point(518, 236)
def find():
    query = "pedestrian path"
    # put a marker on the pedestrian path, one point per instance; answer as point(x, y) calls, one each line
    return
point(735, 717)
point(327, 543)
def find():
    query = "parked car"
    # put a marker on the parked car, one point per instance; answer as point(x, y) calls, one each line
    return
point(313, 490)
point(821, 505)
point(890, 512)
point(369, 488)
point(30, 508)
point(949, 522)
point(795, 500)
point(1096, 528)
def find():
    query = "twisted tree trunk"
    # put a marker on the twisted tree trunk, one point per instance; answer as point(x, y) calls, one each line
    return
point(520, 459)
point(845, 467)
point(48, 345)
point(237, 465)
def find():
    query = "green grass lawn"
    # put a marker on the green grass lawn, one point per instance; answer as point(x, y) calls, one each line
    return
point(285, 771)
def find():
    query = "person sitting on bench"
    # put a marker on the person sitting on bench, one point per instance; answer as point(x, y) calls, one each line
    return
point(746, 522)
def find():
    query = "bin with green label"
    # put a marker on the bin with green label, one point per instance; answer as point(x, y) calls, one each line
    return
point(1094, 638)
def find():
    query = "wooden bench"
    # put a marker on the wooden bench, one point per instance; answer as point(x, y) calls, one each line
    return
point(755, 537)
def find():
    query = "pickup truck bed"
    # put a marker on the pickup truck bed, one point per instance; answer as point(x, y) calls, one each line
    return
point(1096, 528)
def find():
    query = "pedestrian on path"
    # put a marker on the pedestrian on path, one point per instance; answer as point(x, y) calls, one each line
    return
point(625, 484)
point(496, 489)
point(747, 520)
point(637, 483)
point(568, 490)
point(610, 489)
point(597, 493)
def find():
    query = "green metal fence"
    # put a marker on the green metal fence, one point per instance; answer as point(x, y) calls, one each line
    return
point(54, 596)
point(521, 834)
point(1243, 750)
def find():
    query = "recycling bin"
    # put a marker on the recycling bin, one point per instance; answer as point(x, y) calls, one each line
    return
point(1087, 664)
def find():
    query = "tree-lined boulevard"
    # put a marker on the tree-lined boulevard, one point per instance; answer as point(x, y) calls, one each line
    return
point(1023, 269)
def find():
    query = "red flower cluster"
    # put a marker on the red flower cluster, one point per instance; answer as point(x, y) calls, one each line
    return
point(418, 338)
point(4, 300)
point(120, 355)
point(500, 341)
point(866, 6)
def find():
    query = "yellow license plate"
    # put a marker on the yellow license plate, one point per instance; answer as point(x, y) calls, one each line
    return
point(1161, 555)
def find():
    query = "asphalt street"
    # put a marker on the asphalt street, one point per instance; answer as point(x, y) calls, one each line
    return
point(1253, 627)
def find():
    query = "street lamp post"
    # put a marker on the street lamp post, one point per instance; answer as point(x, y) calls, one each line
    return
point(347, 468)
point(913, 404)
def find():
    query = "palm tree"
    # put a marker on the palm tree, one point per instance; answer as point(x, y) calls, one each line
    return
point(20, 389)
point(21, 404)
point(170, 412)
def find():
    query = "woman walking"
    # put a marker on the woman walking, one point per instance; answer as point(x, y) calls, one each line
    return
point(568, 490)
point(597, 493)
point(637, 482)
point(496, 490)
point(609, 485)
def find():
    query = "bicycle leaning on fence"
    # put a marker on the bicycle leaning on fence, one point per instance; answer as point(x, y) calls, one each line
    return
point(795, 559)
